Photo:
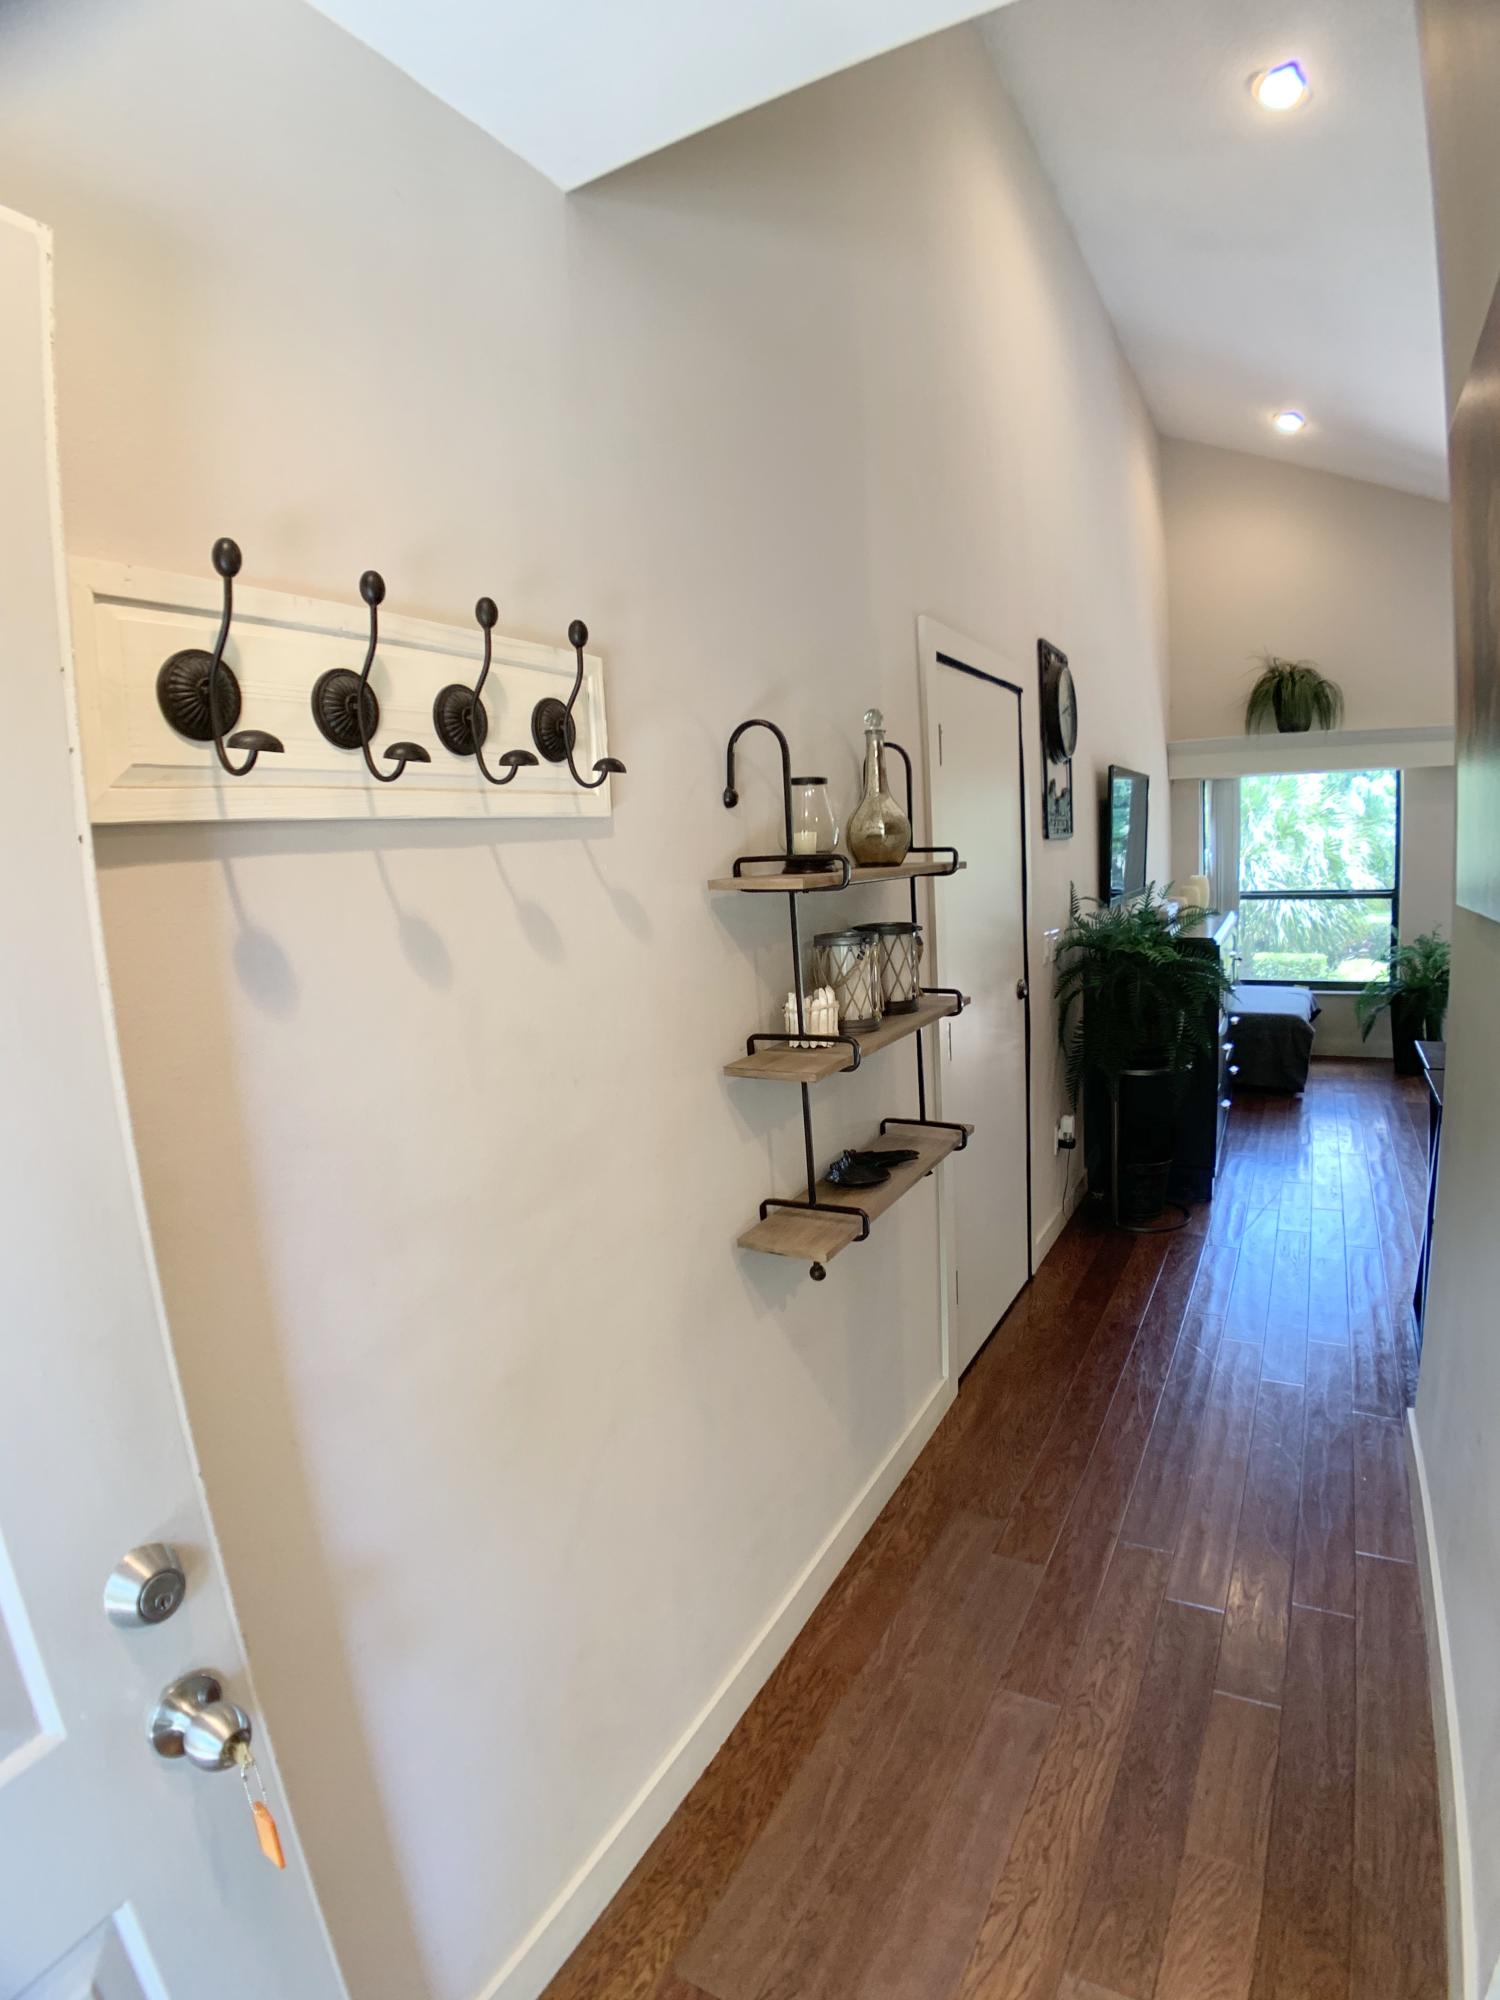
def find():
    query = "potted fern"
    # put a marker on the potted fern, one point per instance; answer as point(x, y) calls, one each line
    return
point(1138, 1002)
point(1415, 994)
point(1293, 695)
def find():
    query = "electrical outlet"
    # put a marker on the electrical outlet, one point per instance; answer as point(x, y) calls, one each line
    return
point(1049, 946)
point(1065, 1134)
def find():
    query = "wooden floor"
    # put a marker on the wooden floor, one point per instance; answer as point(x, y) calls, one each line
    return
point(1124, 1696)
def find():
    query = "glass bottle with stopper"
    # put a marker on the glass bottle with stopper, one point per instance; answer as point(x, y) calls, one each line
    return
point(879, 831)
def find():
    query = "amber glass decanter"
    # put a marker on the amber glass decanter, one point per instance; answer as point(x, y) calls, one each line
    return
point(879, 832)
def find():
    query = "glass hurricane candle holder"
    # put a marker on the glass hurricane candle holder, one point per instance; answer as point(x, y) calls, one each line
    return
point(849, 962)
point(898, 948)
point(815, 830)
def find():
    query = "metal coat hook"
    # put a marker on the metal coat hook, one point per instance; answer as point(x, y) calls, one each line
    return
point(554, 731)
point(345, 707)
point(200, 696)
point(460, 718)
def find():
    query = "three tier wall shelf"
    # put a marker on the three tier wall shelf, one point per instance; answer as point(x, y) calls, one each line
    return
point(826, 1219)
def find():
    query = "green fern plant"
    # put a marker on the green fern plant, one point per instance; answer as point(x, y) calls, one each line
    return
point(1418, 979)
point(1132, 992)
point(1292, 696)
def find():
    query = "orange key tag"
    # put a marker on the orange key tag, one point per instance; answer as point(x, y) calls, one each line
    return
point(265, 1824)
point(266, 1834)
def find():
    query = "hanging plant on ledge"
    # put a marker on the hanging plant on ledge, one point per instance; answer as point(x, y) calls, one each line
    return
point(1294, 696)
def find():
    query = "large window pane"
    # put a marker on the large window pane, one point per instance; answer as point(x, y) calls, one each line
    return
point(1318, 830)
point(1319, 939)
point(1305, 837)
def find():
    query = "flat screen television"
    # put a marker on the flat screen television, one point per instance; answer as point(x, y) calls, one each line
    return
point(1123, 826)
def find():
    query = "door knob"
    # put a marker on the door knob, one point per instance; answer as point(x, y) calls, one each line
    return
point(1022, 990)
point(193, 1720)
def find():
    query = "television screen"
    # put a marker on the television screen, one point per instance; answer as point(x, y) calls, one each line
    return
point(1124, 868)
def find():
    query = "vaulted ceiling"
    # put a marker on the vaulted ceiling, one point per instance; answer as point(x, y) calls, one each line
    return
point(580, 87)
point(1251, 260)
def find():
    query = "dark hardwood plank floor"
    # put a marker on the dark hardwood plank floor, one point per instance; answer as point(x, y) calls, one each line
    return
point(1124, 1695)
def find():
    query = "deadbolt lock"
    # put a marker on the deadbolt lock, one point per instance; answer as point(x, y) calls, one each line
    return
point(145, 1586)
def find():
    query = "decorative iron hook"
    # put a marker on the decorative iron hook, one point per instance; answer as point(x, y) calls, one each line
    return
point(554, 731)
point(731, 792)
point(345, 706)
point(200, 696)
point(833, 865)
point(460, 718)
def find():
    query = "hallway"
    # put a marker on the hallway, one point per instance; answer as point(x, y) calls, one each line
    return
point(1124, 1696)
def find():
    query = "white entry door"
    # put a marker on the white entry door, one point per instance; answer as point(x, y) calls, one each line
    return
point(972, 734)
point(123, 1876)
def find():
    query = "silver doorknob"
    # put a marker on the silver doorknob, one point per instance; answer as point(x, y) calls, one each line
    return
point(193, 1720)
point(1023, 991)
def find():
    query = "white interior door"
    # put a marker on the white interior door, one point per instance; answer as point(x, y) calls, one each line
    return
point(122, 1876)
point(972, 736)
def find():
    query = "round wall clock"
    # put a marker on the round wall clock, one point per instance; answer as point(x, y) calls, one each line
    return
point(1059, 710)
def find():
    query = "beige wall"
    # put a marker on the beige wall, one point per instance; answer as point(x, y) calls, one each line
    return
point(516, 1461)
point(1269, 557)
point(1460, 1391)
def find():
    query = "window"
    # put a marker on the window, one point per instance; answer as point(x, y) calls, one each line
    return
point(1318, 872)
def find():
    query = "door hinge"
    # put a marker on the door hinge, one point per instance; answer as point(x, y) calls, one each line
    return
point(940, 743)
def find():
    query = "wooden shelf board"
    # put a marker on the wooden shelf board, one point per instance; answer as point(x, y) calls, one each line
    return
point(816, 1238)
point(779, 1064)
point(783, 884)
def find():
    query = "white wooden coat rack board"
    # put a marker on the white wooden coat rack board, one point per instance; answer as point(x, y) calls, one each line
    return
point(201, 701)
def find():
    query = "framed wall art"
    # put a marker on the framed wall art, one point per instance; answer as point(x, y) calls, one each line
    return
point(1059, 704)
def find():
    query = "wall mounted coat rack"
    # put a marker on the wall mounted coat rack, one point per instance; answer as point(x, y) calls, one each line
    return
point(168, 665)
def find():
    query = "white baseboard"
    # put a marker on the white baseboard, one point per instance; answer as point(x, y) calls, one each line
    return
point(565, 1923)
point(1458, 1868)
point(1055, 1224)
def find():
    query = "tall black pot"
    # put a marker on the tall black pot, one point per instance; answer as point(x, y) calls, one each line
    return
point(1150, 1111)
point(1410, 1024)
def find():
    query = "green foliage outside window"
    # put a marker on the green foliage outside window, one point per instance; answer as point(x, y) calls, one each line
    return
point(1310, 831)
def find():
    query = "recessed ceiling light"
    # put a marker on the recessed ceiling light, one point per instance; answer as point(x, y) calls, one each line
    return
point(1289, 422)
point(1282, 88)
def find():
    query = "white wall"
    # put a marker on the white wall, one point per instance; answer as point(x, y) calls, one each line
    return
point(1460, 1388)
point(516, 1460)
point(1269, 557)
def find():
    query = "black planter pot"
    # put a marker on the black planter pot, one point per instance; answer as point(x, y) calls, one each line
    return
point(1409, 1025)
point(1130, 1165)
point(1289, 725)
